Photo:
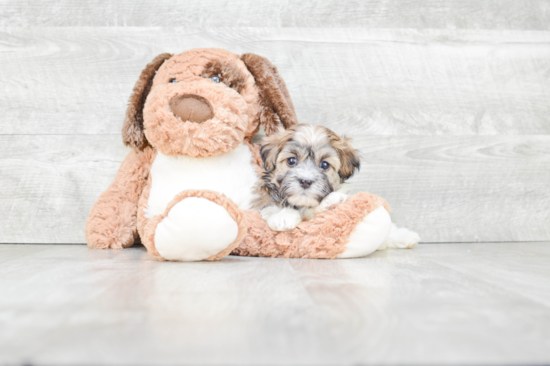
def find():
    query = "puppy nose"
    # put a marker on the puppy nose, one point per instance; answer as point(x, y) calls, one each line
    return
point(305, 183)
point(192, 108)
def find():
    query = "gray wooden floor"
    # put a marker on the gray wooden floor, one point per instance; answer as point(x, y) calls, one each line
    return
point(435, 304)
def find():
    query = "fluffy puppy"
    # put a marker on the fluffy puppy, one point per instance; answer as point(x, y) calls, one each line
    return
point(304, 169)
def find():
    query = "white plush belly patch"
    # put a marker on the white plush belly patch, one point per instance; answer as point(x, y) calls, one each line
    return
point(231, 174)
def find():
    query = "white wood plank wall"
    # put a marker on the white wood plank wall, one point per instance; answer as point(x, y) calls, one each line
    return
point(449, 101)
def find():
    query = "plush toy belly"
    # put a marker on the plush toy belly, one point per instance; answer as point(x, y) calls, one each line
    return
point(231, 174)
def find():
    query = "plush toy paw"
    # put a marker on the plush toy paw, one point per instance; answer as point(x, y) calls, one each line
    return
point(400, 238)
point(124, 239)
point(333, 199)
point(195, 229)
point(284, 220)
point(369, 234)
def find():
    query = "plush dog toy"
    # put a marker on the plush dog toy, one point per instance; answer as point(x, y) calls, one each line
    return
point(185, 188)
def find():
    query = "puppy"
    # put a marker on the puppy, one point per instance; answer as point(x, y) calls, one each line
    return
point(304, 170)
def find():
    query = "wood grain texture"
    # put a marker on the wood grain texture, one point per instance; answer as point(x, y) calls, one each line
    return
point(390, 81)
point(448, 189)
point(419, 14)
point(461, 189)
point(49, 183)
point(475, 304)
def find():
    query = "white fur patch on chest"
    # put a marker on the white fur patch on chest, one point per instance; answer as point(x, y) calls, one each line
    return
point(231, 174)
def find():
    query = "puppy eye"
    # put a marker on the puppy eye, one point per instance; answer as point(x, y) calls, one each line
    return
point(215, 79)
point(291, 161)
point(324, 165)
point(172, 80)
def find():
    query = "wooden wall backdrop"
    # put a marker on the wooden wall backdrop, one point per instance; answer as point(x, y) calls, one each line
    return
point(449, 101)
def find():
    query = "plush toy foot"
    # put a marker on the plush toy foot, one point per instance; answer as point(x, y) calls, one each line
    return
point(369, 234)
point(198, 225)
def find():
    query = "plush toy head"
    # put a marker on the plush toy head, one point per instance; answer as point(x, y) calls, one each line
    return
point(205, 102)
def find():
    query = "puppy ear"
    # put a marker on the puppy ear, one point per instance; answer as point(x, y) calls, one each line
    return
point(272, 146)
point(132, 129)
point(276, 107)
point(349, 157)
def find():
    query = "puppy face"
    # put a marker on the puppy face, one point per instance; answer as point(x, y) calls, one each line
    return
point(304, 164)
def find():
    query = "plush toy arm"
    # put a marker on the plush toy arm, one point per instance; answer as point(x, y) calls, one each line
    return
point(112, 219)
point(354, 228)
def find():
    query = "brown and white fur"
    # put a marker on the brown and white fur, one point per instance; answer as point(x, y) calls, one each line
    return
point(185, 188)
point(304, 170)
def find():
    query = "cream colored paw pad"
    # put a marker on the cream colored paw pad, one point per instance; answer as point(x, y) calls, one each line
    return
point(195, 229)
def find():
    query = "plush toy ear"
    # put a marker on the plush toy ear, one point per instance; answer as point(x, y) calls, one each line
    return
point(132, 130)
point(276, 108)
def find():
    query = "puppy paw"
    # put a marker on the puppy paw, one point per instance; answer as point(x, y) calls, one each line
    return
point(285, 220)
point(333, 199)
point(269, 211)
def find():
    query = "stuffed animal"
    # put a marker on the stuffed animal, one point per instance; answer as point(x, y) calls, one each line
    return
point(185, 188)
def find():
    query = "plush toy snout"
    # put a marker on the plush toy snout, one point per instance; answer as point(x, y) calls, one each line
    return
point(195, 118)
point(192, 108)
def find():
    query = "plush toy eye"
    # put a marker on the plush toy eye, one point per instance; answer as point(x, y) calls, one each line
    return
point(324, 165)
point(291, 161)
point(173, 80)
point(215, 79)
